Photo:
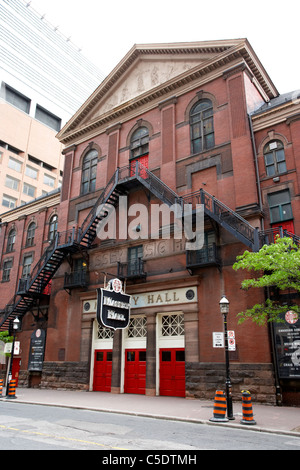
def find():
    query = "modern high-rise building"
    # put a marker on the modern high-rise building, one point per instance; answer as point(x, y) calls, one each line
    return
point(44, 79)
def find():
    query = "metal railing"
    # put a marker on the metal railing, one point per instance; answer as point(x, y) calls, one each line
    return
point(209, 254)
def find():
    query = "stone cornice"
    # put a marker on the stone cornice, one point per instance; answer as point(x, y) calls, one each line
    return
point(33, 207)
point(284, 113)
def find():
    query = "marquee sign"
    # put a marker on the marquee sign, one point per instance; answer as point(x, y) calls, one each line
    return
point(113, 306)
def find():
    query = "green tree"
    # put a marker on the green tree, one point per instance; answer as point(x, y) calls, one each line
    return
point(276, 265)
point(6, 338)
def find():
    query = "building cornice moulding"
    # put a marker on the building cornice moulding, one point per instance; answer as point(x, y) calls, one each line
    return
point(227, 57)
point(285, 113)
point(33, 207)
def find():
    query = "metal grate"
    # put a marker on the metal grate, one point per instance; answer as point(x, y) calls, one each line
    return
point(173, 325)
point(137, 327)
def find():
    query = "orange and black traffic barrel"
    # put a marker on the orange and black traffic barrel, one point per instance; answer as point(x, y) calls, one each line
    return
point(247, 408)
point(12, 389)
point(220, 407)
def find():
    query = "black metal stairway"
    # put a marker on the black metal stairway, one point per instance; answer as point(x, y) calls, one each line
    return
point(226, 218)
point(72, 241)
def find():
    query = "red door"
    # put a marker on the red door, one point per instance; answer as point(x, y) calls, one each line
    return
point(102, 370)
point(135, 371)
point(144, 161)
point(287, 225)
point(16, 369)
point(172, 372)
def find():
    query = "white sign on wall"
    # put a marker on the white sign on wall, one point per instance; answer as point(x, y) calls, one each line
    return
point(218, 340)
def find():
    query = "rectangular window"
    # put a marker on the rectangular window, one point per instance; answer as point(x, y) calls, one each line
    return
point(8, 201)
point(29, 190)
point(7, 265)
point(280, 206)
point(135, 255)
point(12, 183)
point(49, 181)
point(14, 164)
point(26, 266)
point(47, 118)
point(17, 99)
point(31, 172)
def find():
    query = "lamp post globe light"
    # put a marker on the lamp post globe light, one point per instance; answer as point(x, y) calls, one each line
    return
point(224, 308)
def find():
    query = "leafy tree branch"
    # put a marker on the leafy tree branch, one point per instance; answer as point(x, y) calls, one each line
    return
point(276, 265)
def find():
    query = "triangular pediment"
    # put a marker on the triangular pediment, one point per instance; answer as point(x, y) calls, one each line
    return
point(148, 71)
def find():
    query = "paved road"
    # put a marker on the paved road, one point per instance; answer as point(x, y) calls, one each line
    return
point(35, 427)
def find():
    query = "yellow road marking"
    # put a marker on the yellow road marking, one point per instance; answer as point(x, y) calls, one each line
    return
point(60, 437)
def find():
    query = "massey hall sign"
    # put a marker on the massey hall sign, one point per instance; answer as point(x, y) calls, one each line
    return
point(113, 306)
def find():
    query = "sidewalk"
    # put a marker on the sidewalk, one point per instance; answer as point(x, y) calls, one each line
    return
point(276, 419)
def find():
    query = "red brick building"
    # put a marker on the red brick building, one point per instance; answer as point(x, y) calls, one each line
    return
point(192, 123)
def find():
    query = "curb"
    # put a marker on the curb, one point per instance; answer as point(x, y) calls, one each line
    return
point(229, 424)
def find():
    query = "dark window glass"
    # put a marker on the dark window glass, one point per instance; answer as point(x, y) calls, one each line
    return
point(30, 234)
point(89, 172)
point(109, 356)
point(11, 241)
point(202, 126)
point(6, 270)
point(180, 356)
point(99, 356)
point(274, 158)
point(280, 206)
point(142, 356)
point(17, 99)
point(166, 356)
point(53, 228)
point(47, 118)
point(130, 356)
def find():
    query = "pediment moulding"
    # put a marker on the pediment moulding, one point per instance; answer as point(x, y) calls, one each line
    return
point(152, 73)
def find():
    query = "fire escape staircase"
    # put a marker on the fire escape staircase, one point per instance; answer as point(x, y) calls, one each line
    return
point(73, 241)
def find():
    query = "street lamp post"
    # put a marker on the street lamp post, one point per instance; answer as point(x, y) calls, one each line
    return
point(224, 308)
point(16, 324)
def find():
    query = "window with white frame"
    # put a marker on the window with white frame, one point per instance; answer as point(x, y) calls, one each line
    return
point(28, 189)
point(14, 164)
point(49, 181)
point(8, 201)
point(12, 183)
point(31, 172)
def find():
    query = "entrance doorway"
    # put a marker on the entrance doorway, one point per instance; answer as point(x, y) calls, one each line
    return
point(135, 371)
point(102, 370)
point(16, 369)
point(172, 372)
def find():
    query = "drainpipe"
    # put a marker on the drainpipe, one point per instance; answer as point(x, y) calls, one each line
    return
point(271, 329)
point(256, 168)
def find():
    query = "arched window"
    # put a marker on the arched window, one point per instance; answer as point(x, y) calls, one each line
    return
point(202, 126)
point(11, 241)
point(30, 234)
point(52, 228)
point(139, 148)
point(274, 158)
point(89, 172)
